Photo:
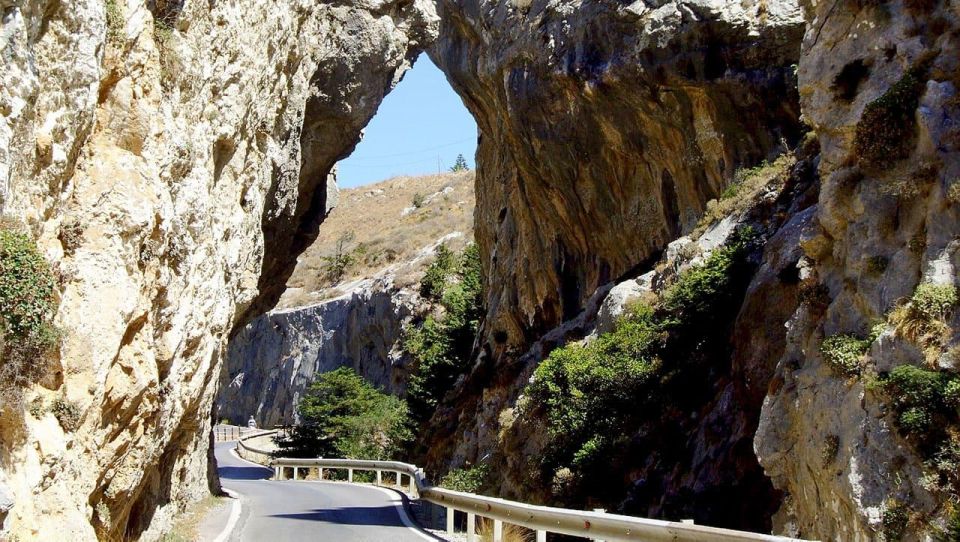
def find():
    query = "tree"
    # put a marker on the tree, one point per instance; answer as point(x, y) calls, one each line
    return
point(342, 415)
point(460, 164)
point(442, 345)
point(335, 266)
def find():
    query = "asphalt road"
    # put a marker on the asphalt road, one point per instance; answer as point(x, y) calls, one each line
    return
point(282, 511)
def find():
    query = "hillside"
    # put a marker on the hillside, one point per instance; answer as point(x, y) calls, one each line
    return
point(376, 226)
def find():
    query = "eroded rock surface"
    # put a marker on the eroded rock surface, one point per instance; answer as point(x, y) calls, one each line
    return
point(186, 147)
point(884, 223)
point(606, 128)
point(272, 360)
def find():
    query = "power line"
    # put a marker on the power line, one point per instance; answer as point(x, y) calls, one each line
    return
point(445, 145)
point(424, 161)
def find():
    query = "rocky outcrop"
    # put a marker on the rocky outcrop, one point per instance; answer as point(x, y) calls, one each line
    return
point(698, 460)
point(185, 148)
point(878, 84)
point(272, 360)
point(607, 126)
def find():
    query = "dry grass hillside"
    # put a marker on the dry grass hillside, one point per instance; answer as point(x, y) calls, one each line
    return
point(382, 224)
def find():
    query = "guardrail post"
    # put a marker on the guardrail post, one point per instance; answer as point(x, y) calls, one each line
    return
point(413, 485)
point(379, 478)
point(450, 512)
point(295, 472)
point(350, 475)
point(320, 473)
point(471, 527)
point(497, 530)
point(541, 536)
point(399, 478)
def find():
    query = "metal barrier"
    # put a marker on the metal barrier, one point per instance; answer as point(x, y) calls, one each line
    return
point(542, 519)
point(253, 453)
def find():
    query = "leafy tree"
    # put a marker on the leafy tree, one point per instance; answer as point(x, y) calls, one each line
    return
point(460, 164)
point(342, 415)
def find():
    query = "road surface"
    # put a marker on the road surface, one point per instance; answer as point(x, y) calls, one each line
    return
point(289, 511)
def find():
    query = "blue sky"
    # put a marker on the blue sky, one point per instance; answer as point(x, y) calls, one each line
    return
point(421, 120)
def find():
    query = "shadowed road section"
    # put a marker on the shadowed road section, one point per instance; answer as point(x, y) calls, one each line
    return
point(281, 511)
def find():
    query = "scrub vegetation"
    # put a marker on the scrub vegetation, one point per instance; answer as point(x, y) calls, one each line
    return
point(595, 397)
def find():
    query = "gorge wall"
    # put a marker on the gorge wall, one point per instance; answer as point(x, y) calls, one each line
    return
point(271, 361)
point(606, 126)
point(171, 158)
point(878, 84)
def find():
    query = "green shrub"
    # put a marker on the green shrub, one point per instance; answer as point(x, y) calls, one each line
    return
point(920, 396)
point(894, 520)
point(115, 22)
point(418, 200)
point(336, 265)
point(587, 391)
point(593, 396)
point(887, 130)
point(951, 531)
point(934, 301)
point(67, 413)
point(469, 480)
point(843, 353)
point(342, 415)
point(27, 307)
point(693, 301)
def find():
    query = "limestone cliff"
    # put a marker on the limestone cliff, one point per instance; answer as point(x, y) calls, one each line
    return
point(878, 83)
point(185, 147)
point(606, 126)
point(352, 313)
point(272, 359)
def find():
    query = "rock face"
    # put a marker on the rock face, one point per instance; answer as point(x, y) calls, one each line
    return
point(606, 128)
point(273, 358)
point(699, 462)
point(888, 175)
point(190, 145)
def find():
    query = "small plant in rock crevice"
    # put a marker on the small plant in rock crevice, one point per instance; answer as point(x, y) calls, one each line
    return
point(894, 520)
point(115, 22)
point(843, 353)
point(923, 319)
point(887, 129)
point(66, 412)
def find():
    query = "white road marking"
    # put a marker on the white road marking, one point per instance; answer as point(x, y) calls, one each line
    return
point(395, 498)
point(234, 517)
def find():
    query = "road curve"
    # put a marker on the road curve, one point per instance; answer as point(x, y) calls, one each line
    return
point(288, 511)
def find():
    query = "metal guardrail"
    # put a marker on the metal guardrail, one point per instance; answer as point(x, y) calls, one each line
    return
point(252, 453)
point(542, 519)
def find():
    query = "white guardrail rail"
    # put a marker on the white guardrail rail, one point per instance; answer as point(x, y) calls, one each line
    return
point(541, 519)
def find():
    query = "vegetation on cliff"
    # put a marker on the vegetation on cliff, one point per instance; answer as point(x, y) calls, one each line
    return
point(27, 307)
point(441, 346)
point(596, 397)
